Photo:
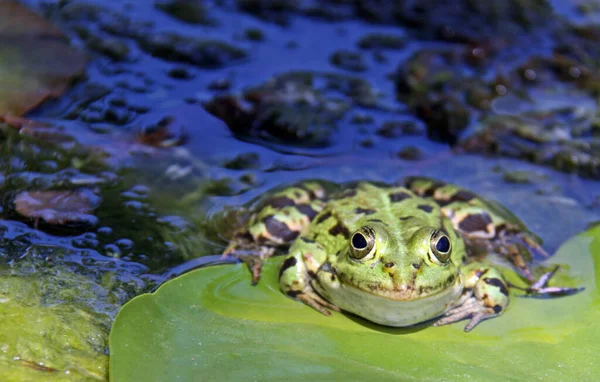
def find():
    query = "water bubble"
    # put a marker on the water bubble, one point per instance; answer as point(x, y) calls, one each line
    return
point(574, 72)
point(124, 244)
point(105, 230)
point(530, 74)
point(112, 250)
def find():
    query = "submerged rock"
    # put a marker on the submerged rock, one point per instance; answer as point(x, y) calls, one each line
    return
point(435, 86)
point(189, 11)
point(297, 108)
point(94, 22)
point(488, 98)
point(555, 130)
point(348, 60)
point(467, 20)
point(180, 48)
point(382, 41)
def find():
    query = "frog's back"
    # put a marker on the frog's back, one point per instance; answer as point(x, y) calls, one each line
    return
point(379, 201)
point(361, 203)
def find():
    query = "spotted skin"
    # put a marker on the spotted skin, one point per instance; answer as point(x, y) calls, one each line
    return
point(279, 218)
point(395, 273)
point(322, 264)
point(485, 225)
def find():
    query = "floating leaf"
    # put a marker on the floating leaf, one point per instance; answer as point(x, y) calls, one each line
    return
point(211, 324)
point(36, 61)
point(163, 133)
point(71, 208)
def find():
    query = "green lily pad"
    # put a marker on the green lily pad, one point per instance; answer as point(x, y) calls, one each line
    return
point(36, 60)
point(210, 324)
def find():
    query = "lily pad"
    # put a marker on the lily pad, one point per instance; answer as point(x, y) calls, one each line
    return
point(211, 324)
point(36, 60)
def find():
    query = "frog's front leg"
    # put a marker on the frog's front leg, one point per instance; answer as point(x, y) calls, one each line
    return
point(487, 226)
point(299, 269)
point(277, 221)
point(485, 296)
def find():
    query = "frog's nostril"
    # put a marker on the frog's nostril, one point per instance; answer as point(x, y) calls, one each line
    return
point(389, 265)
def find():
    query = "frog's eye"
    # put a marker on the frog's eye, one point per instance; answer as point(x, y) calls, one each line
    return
point(362, 243)
point(440, 246)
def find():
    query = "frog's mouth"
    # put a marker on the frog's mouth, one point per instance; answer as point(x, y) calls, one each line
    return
point(402, 306)
point(405, 292)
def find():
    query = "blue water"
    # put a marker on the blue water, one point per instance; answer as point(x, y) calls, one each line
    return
point(175, 177)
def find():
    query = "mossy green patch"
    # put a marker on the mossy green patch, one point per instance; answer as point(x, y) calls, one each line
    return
point(44, 340)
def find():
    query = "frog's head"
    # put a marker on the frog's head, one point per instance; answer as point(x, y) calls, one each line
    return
point(400, 266)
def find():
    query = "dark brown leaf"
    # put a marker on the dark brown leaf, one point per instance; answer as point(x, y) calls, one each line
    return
point(36, 60)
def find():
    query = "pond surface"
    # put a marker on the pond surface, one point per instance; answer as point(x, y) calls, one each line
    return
point(182, 115)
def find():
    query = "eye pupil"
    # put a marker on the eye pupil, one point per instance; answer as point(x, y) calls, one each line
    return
point(443, 244)
point(362, 244)
point(359, 241)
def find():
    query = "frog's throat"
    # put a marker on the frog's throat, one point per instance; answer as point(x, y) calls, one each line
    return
point(386, 310)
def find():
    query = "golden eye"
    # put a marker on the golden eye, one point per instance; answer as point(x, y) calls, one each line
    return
point(440, 246)
point(362, 243)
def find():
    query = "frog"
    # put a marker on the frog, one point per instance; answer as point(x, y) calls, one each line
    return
point(399, 254)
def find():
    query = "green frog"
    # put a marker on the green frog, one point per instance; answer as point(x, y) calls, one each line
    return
point(397, 255)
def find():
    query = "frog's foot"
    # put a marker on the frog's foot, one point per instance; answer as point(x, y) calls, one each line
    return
point(255, 263)
point(520, 248)
point(316, 302)
point(540, 288)
point(514, 254)
point(472, 308)
point(485, 296)
point(250, 254)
